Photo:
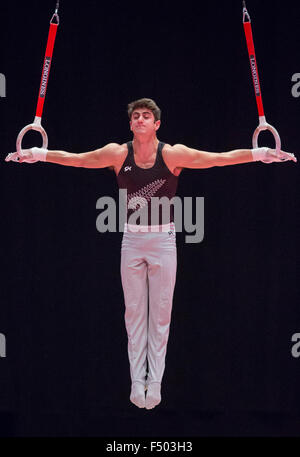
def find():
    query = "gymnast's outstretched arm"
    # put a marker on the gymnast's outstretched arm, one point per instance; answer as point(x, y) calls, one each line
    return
point(107, 156)
point(98, 158)
point(185, 157)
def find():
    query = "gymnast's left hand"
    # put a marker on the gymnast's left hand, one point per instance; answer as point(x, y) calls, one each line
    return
point(272, 156)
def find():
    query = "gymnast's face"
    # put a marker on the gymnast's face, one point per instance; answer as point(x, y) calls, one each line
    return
point(143, 122)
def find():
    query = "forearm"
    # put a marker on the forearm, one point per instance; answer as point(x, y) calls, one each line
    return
point(64, 158)
point(181, 156)
point(104, 157)
point(234, 157)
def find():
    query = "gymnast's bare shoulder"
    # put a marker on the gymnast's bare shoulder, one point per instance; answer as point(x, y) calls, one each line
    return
point(111, 155)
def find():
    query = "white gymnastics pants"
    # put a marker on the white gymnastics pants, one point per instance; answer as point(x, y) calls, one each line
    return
point(148, 272)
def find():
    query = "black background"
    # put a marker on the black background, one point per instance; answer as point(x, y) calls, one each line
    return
point(229, 367)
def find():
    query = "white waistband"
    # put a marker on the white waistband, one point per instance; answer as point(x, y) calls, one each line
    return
point(149, 228)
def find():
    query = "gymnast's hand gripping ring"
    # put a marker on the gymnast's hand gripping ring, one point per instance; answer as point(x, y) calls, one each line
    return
point(36, 125)
point(263, 125)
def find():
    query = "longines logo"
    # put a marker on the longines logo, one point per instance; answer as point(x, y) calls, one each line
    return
point(2, 345)
point(254, 74)
point(45, 76)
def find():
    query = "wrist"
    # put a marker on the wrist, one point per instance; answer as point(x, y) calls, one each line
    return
point(39, 154)
point(259, 153)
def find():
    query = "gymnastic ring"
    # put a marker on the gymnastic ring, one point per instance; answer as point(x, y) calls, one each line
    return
point(36, 125)
point(265, 126)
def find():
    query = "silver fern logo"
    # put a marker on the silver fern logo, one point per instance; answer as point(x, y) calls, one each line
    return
point(137, 203)
point(143, 196)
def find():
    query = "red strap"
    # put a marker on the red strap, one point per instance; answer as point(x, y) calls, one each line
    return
point(46, 69)
point(253, 65)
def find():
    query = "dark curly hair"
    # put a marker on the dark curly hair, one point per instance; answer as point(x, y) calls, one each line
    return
point(145, 103)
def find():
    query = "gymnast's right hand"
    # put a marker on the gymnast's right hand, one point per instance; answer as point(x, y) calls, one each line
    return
point(31, 155)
